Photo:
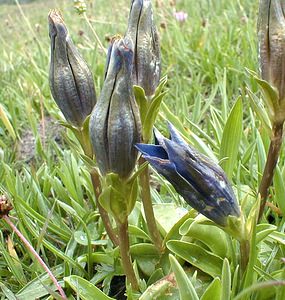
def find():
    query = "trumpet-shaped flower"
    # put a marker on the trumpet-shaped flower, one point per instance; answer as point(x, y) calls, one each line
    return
point(142, 31)
point(271, 36)
point(202, 183)
point(115, 123)
point(71, 81)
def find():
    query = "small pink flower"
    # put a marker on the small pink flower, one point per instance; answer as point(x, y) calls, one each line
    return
point(180, 16)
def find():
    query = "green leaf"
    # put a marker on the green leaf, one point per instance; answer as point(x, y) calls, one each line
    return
point(146, 256)
point(213, 291)
point(141, 100)
point(159, 289)
point(137, 232)
point(231, 138)
point(37, 288)
point(7, 124)
point(197, 256)
point(82, 239)
point(167, 215)
point(278, 237)
point(279, 185)
point(258, 108)
point(84, 289)
point(271, 97)
point(212, 236)
point(186, 289)
point(263, 230)
point(13, 264)
point(151, 116)
point(162, 83)
point(226, 280)
point(8, 293)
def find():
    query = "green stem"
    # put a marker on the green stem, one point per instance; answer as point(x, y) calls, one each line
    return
point(124, 246)
point(148, 209)
point(271, 162)
point(104, 215)
point(84, 140)
point(244, 254)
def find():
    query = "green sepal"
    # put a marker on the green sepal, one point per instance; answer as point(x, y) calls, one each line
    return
point(113, 198)
point(82, 135)
point(119, 196)
point(235, 226)
point(252, 218)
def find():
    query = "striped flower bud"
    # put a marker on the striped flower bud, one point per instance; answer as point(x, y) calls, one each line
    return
point(271, 35)
point(202, 183)
point(115, 124)
point(142, 31)
point(71, 81)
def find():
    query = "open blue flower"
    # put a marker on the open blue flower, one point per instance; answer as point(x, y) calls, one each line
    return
point(202, 183)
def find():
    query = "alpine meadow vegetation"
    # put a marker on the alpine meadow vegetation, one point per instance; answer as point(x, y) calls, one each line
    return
point(141, 149)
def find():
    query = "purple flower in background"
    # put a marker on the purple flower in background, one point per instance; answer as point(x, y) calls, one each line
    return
point(180, 16)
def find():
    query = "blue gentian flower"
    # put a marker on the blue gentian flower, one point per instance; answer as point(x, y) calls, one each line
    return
point(202, 183)
point(115, 125)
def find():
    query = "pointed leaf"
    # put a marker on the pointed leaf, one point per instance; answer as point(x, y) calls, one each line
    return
point(226, 280)
point(84, 289)
point(185, 286)
point(231, 138)
point(213, 291)
point(197, 256)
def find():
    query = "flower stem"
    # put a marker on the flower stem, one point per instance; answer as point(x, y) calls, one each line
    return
point(38, 258)
point(124, 246)
point(84, 140)
point(148, 209)
point(244, 254)
point(271, 162)
point(104, 215)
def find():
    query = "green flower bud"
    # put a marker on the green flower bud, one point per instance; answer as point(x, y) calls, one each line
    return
point(115, 124)
point(71, 81)
point(271, 35)
point(142, 31)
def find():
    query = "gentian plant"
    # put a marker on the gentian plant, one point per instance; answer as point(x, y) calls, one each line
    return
point(160, 216)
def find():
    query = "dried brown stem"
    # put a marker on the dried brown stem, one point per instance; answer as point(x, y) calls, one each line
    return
point(271, 162)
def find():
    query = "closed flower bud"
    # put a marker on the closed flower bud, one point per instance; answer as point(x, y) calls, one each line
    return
point(71, 80)
point(142, 31)
point(202, 183)
point(115, 125)
point(271, 35)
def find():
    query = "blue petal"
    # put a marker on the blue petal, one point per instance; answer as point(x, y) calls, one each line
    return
point(214, 188)
point(152, 151)
point(175, 136)
point(158, 138)
point(186, 190)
